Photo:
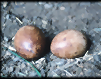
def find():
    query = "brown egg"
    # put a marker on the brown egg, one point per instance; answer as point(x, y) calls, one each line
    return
point(69, 44)
point(29, 42)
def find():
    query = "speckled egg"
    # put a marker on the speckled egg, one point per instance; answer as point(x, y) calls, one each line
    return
point(69, 44)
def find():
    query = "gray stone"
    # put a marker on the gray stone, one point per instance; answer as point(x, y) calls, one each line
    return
point(98, 74)
point(84, 20)
point(77, 71)
point(7, 16)
point(21, 74)
point(17, 69)
point(60, 62)
point(41, 3)
point(10, 63)
point(58, 71)
point(5, 4)
point(4, 72)
point(6, 39)
point(52, 57)
point(52, 74)
point(22, 65)
point(93, 25)
point(84, 3)
point(2, 53)
point(47, 6)
point(11, 29)
point(32, 74)
point(10, 69)
point(97, 57)
point(89, 73)
point(16, 59)
point(93, 9)
point(40, 63)
point(7, 53)
point(97, 30)
point(63, 74)
point(42, 72)
point(53, 67)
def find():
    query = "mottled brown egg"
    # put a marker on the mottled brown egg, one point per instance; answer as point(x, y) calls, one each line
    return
point(69, 44)
point(29, 42)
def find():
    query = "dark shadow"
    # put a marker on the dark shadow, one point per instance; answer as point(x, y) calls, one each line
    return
point(89, 42)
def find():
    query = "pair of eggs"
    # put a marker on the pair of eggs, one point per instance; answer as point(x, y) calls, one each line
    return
point(30, 43)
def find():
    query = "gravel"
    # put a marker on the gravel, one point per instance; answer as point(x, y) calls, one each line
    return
point(52, 18)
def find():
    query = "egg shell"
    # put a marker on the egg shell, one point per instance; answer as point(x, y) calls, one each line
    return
point(29, 42)
point(69, 44)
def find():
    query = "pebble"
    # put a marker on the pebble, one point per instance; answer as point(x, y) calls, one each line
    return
point(10, 69)
point(40, 63)
point(42, 72)
point(47, 6)
point(60, 62)
point(32, 74)
point(6, 39)
point(8, 53)
point(52, 57)
point(5, 4)
point(85, 4)
point(97, 30)
point(97, 57)
point(44, 22)
point(62, 8)
point(89, 73)
point(22, 66)
point(77, 71)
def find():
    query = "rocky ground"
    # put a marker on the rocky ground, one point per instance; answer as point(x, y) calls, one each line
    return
point(52, 18)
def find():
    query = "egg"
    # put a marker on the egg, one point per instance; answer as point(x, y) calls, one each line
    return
point(69, 44)
point(29, 42)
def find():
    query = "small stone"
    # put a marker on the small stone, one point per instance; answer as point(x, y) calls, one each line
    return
point(5, 38)
point(10, 63)
point(4, 72)
point(97, 30)
point(52, 57)
point(47, 6)
point(21, 74)
point(44, 22)
point(62, 8)
point(43, 72)
point(98, 74)
point(10, 69)
point(52, 74)
point(17, 69)
point(5, 4)
point(22, 65)
point(32, 74)
point(63, 74)
point(40, 63)
point(15, 59)
point(58, 71)
point(7, 16)
point(89, 72)
point(99, 3)
point(8, 53)
point(84, 3)
point(44, 26)
point(77, 70)
point(60, 62)
point(97, 58)
point(41, 3)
